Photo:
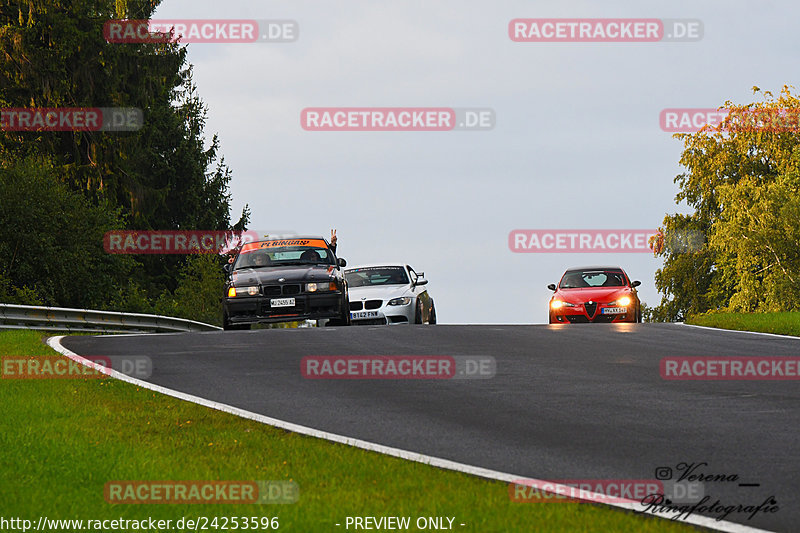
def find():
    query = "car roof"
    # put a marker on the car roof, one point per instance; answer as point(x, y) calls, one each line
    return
point(375, 265)
point(594, 268)
point(294, 238)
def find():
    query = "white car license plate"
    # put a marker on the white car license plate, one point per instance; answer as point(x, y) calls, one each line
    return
point(282, 302)
point(364, 314)
point(613, 310)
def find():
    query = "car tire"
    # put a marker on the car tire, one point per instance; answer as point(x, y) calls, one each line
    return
point(432, 318)
point(344, 318)
point(418, 313)
point(226, 325)
point(235, 327)
point(639, 315)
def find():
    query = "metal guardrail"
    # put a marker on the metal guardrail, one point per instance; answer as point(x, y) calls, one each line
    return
point(14, 316)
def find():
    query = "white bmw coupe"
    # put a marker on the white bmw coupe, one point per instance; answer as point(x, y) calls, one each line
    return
point(389, 294)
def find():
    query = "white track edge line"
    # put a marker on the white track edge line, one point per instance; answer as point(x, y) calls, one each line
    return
point(629, 505)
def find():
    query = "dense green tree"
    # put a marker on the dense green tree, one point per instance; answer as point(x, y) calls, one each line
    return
point(51, 241)
point(54, 55)
point(199, 291)
point(742, 181)
point(164, 176)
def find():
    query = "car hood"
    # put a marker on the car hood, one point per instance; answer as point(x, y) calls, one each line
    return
point(377, 293)
point(290, 274)
point(594, 294)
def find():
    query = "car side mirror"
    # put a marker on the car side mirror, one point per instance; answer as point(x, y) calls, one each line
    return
point(342, 262)
point(421, 282)
point(636, 283)
point(227, 268)
point(552, 286)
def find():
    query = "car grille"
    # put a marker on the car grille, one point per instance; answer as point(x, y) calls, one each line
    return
point(356, 306)
point(272, 290)
point(278, 290)
point(590, 307)
point(577, 319)
point(370, 322)
point(605, 318)
point(373, 304)
point(291, 289)
point(599, 319)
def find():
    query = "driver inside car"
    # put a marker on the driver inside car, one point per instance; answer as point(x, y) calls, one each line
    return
point(261, 260)
point(311, 256)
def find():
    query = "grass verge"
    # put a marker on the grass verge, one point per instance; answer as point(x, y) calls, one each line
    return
point(62, 440)
point(786, 323)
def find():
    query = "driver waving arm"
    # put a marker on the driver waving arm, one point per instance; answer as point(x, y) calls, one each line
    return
point(333, 240)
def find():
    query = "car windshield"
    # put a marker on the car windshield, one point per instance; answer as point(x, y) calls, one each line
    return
point(579, 279)
point(283, 256)
point(373, 276)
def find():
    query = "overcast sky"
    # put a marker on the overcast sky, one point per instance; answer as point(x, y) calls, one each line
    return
point(577, 142)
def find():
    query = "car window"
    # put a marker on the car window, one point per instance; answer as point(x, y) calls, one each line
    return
point(288, 255)
point(376, 276)
point(592, 278)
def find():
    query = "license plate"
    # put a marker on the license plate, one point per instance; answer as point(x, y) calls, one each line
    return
point(364, 314)
point(282, 302)
point(613, 310)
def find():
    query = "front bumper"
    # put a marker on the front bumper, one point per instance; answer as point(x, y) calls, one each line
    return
point(257, 309)
point(378, 312)
point(584, 314)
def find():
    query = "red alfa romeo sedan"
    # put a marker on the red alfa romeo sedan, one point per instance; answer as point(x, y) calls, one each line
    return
point(595, 294)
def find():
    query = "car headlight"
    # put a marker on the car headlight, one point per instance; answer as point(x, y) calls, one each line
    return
point(558, 304)
point(625, 301)
point(233, 292)
point(319, 287)
point(403, 300)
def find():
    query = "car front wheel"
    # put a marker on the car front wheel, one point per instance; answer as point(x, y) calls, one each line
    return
point(418, 313)
point(344, 319)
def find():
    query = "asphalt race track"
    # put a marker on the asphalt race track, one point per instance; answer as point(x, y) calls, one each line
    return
point(567, 402)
